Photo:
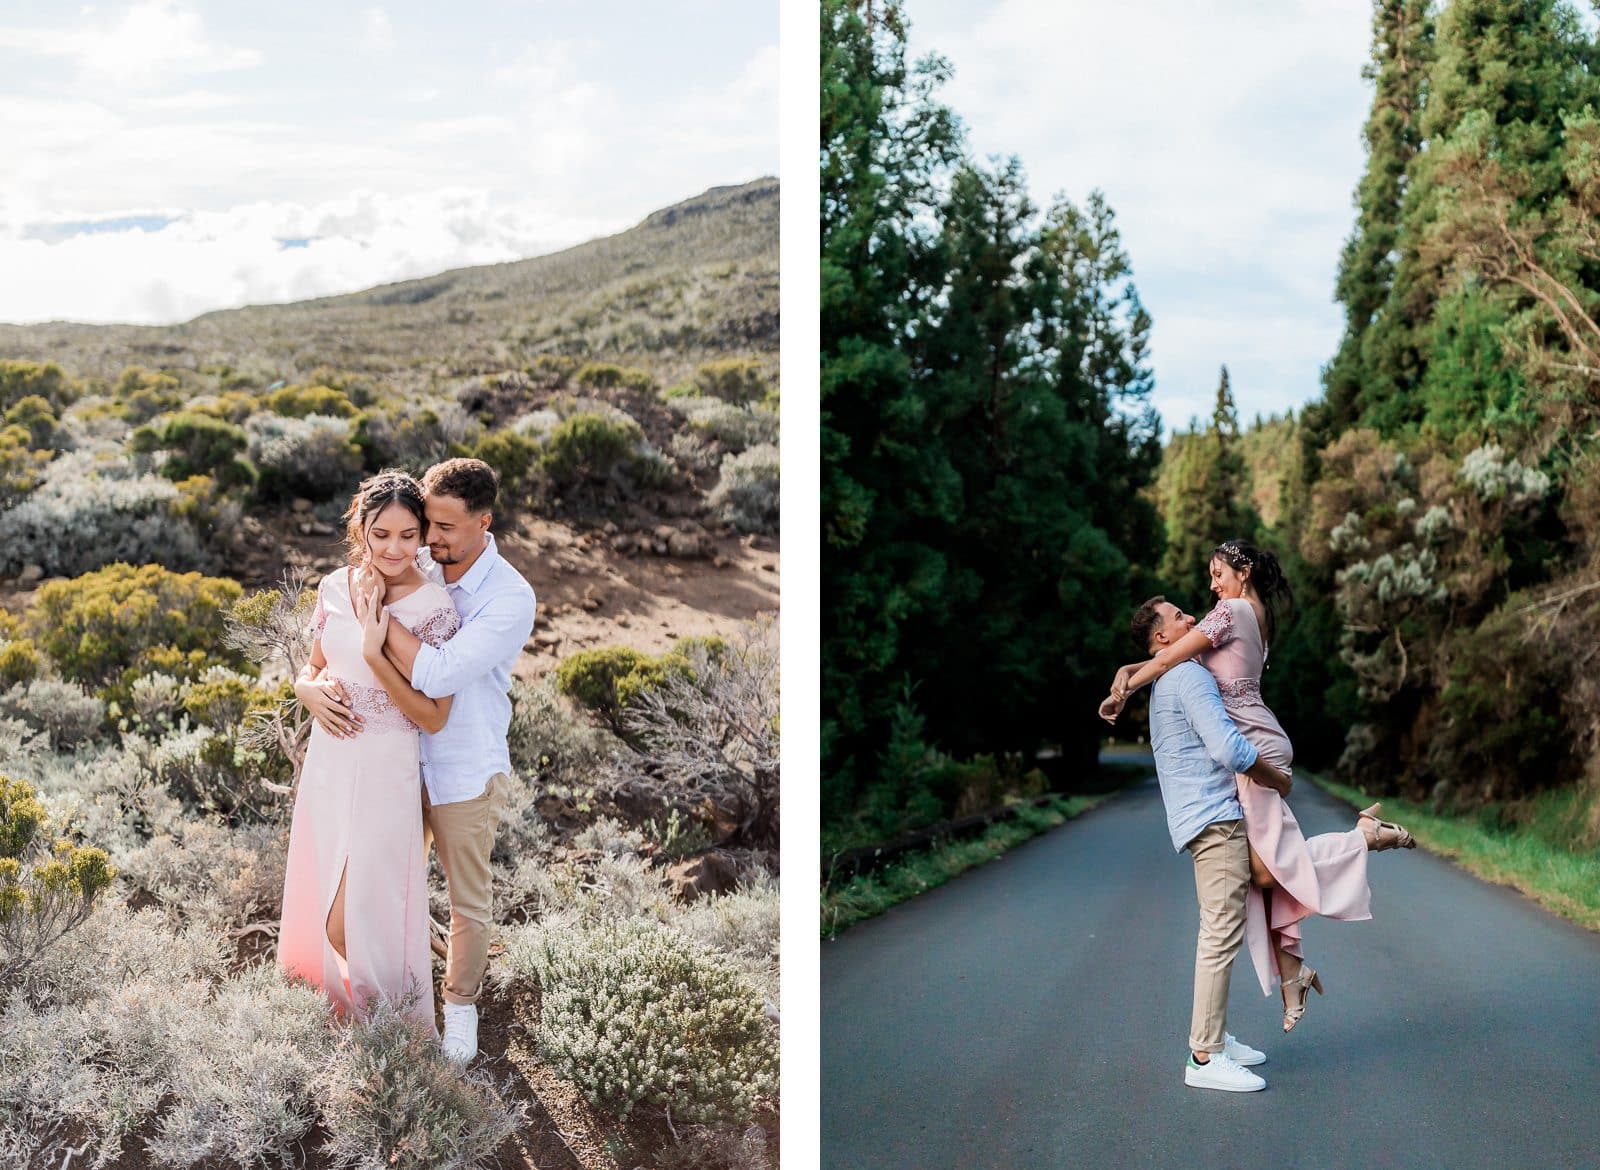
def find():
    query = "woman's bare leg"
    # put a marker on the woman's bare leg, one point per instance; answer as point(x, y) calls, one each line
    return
point(336, 918)
point(1259, 873)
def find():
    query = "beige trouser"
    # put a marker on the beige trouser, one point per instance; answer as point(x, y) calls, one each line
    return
point(1221, 877)
point(463, 832)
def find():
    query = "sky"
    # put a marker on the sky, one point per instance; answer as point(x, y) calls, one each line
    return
point(1226, 137)
point(164, 158)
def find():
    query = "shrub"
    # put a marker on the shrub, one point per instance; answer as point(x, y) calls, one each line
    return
point(635, 1014)
point(272, 628)
point(734, 427)
point(736, 380)
point(511, 454)
point(413, 436)
point(61, 710)
point(143, 394)
point(35, 416)
point(312, 456)
point(88, 513)
point(607, 679)
point(19, 662)
point(300, 401)
point(747, 494)
point(223, 877)
point(47, 380)
point(206, 772)
point(704, 1147)
point(112, 625)
point(602, 376)
point(389, 1098)
point(219, 699)
point(22, 468)
point(198, 444)
point(588, 446)
point(45, 890)
point(549, 739)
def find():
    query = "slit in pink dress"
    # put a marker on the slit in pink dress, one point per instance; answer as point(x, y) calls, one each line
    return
point(1325, 874)
point(358, 812)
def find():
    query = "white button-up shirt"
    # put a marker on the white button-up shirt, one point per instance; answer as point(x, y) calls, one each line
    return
point(497, 609)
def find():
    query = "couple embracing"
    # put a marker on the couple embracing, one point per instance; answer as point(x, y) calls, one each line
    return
point(408, 684)
point(1223, 762)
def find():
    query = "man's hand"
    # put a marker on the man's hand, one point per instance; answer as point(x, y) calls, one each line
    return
point(329, 705)
point(1267, 776)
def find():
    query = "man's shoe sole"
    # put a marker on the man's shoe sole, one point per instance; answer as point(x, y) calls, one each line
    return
point(1193, 1084)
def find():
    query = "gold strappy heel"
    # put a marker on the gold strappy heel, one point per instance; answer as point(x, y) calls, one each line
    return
point(1383, 835)
point(1294, 995)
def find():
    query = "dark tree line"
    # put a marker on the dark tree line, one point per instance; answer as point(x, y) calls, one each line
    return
point(987, 432)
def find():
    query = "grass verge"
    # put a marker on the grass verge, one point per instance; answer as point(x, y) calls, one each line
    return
point(1562, 880)
point(871, 894)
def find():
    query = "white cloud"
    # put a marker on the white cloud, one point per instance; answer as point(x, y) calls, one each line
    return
point(206, 261)
point(152, 44)
point(377, 32)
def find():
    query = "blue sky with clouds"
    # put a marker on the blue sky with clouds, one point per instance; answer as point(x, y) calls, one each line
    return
point(168, 157)
point(1227, 139)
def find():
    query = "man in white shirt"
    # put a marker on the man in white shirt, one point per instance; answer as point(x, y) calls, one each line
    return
point(466, 765)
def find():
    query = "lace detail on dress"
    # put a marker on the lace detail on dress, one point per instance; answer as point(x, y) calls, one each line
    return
point(439, 626)
point(319, 617)
point(1240, 690)
point(375, 706)
point(1217, 625)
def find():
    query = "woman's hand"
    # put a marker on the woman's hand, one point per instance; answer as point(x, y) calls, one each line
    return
point(1110, 708)
point(374, 627)
point(1120, 684)
point(367, 588)
point(325, 698)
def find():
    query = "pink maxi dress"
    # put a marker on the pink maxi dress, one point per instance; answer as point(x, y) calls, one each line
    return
point(358, 812)
point(1325, 874)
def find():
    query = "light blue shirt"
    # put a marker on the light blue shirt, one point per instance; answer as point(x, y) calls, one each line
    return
point(497, 608)
point(1198, 749)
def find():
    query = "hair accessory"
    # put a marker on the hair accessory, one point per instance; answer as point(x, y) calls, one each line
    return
point(1235, 555)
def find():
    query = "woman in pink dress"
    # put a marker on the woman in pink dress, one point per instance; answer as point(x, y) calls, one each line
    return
point(1292, 876)
point(355, 897)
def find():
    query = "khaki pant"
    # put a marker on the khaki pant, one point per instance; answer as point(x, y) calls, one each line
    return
point(1221, 855)
point(462, 832)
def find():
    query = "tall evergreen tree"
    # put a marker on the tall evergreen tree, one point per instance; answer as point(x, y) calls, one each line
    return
point(1207, 494)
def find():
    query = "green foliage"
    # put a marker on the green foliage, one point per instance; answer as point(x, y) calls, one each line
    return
point(46, 889)
point(106, 628)
point(513, 455)
point(19, 662)
point(610, 679)
point(142, 394)
point(46, 380)
point(638, 1016)
point(198, 444)
point(735, 380)
point(1205, 494)
point(220, 703)
point(35, 415)
point(298, 401)
point(22, 466)
point(986, 430)
point(588, 446)
point(603, 376)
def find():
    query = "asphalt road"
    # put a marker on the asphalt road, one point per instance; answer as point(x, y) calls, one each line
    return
point(1033, 1013)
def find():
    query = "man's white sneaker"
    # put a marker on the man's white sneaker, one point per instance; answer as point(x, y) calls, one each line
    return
point(1221, 1072)
point(1243, 1053)
point(460, 1032)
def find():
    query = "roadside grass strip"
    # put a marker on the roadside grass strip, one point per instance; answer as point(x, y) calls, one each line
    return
point(871, 894)
point(1562, 879)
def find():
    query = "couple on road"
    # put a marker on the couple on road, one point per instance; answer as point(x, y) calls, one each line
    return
point(408, 684)
point(1223, 762)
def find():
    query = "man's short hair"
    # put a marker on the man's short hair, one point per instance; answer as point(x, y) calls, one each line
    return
point(1147, 620)
point(472, 481)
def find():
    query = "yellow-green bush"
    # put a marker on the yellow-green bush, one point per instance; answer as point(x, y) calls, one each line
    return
point(198, 444)
point(298, 401)
point(609, 679)
point(589, 446)
point(106, 628)
point(46, 888)
point(604, 376)
point(19, 662)
point(35, 415)
point(47, 380)
point(736, 380)
point(142, 394)
point(22, 467)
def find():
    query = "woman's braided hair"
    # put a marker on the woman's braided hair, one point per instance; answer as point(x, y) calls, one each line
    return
point(1266, 574)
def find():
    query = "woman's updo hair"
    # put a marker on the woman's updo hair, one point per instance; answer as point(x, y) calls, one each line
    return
point(1266, 575)
point(375, 494)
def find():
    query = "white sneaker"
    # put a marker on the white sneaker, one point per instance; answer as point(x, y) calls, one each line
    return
point(1242, 1053)
point(460, 1032)
point(1221, 1072)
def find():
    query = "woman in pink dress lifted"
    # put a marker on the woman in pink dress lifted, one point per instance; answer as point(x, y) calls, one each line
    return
point(355, 897)
point(1292, 876)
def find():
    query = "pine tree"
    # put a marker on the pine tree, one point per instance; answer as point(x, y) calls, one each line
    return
point(1207, 494)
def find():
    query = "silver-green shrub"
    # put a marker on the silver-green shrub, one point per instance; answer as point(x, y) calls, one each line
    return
point(311, 456)
point(744, 926)
point(638, 1016)
point(91, 512)
point(66, 713)
point(391, 1101)
point(734, 427)
point(223, 876)
point(747, 494)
